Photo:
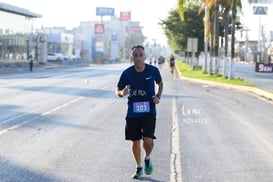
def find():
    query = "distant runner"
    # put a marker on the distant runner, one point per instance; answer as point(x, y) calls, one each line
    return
point(172, 62)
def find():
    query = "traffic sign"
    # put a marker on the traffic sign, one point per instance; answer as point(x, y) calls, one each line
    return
point(261, 1)
point(260, 10)
point(192, 44)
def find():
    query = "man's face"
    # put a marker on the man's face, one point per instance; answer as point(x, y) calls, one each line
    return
point(138, 56)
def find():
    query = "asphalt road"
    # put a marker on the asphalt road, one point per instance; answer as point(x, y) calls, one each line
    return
point(247, 72)
point(224, 135)
point(67, 125)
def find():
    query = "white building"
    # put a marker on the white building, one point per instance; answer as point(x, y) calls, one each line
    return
point(107, 40)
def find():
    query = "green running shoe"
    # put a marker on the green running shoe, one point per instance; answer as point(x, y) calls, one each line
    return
point(138, 173)
point(149, 168)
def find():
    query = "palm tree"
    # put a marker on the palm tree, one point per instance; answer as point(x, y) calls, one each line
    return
point(227, 5)
point(181, 4)
point(212, 28)
point(207, 5)
point(234, 4)
point(216, 26)
point(213, 9)
point(226, 10)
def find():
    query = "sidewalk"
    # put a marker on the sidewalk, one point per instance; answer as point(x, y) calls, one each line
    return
point(21, 67)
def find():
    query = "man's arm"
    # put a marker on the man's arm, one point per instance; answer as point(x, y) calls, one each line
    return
point(123, 92)
point(119, 93)
point(157, 97)
point(160, 89)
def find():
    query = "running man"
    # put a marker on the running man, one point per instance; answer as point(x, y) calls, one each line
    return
point(138, 82)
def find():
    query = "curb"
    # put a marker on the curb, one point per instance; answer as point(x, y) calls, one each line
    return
point(251, 90)
point(267, 96)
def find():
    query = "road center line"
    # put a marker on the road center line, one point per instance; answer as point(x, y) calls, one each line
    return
point(176, 168)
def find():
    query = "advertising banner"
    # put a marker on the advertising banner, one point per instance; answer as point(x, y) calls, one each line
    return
point(125, 15)
point(99, 28)
point(264, 67)
point(101, 11)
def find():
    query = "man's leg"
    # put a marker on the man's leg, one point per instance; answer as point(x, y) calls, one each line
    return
point(148, 146)
point(136, 150)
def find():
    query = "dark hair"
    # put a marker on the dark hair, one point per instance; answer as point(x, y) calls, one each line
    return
point(138, 46)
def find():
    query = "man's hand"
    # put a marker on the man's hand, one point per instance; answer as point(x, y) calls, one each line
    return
point(156, 99)
point(126, 90)
point(123, 92)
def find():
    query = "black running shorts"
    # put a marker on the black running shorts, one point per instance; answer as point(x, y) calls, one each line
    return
point(137, 128)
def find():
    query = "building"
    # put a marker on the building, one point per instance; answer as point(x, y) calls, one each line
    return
point(109, 40)
point(17, 40)
point(92, 41)
point(59, 40)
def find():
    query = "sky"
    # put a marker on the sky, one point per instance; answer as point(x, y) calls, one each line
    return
point(253, 22)
point(57, 13)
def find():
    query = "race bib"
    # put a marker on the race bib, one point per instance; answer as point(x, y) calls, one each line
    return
point(140, 107)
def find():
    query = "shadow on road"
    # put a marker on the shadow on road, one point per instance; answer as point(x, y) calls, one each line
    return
point(10, 171)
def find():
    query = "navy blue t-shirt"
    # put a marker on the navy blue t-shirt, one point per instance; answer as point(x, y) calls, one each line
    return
point(142, 89)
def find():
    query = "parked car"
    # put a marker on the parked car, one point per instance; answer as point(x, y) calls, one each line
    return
point(55, 57)
point(75, 58)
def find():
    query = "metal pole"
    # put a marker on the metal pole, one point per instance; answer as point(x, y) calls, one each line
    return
point(259, 40)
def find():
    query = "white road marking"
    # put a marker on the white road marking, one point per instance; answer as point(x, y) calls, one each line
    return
point(43, 114)
point(176, 168)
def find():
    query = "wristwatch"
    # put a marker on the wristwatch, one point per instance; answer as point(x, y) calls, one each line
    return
point(158, 96)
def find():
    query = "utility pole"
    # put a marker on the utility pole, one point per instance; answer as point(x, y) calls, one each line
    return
point(260, 10)
point(246, 42)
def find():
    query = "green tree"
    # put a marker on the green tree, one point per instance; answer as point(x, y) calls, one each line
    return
point(211, 24)
point(177, 32)
point(226, 6)
point(212, 7)
point(181, 4)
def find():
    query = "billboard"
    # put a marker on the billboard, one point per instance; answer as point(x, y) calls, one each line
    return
point(263, 67)
point(99, 28)
point(101, 11)
point(125, 15)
